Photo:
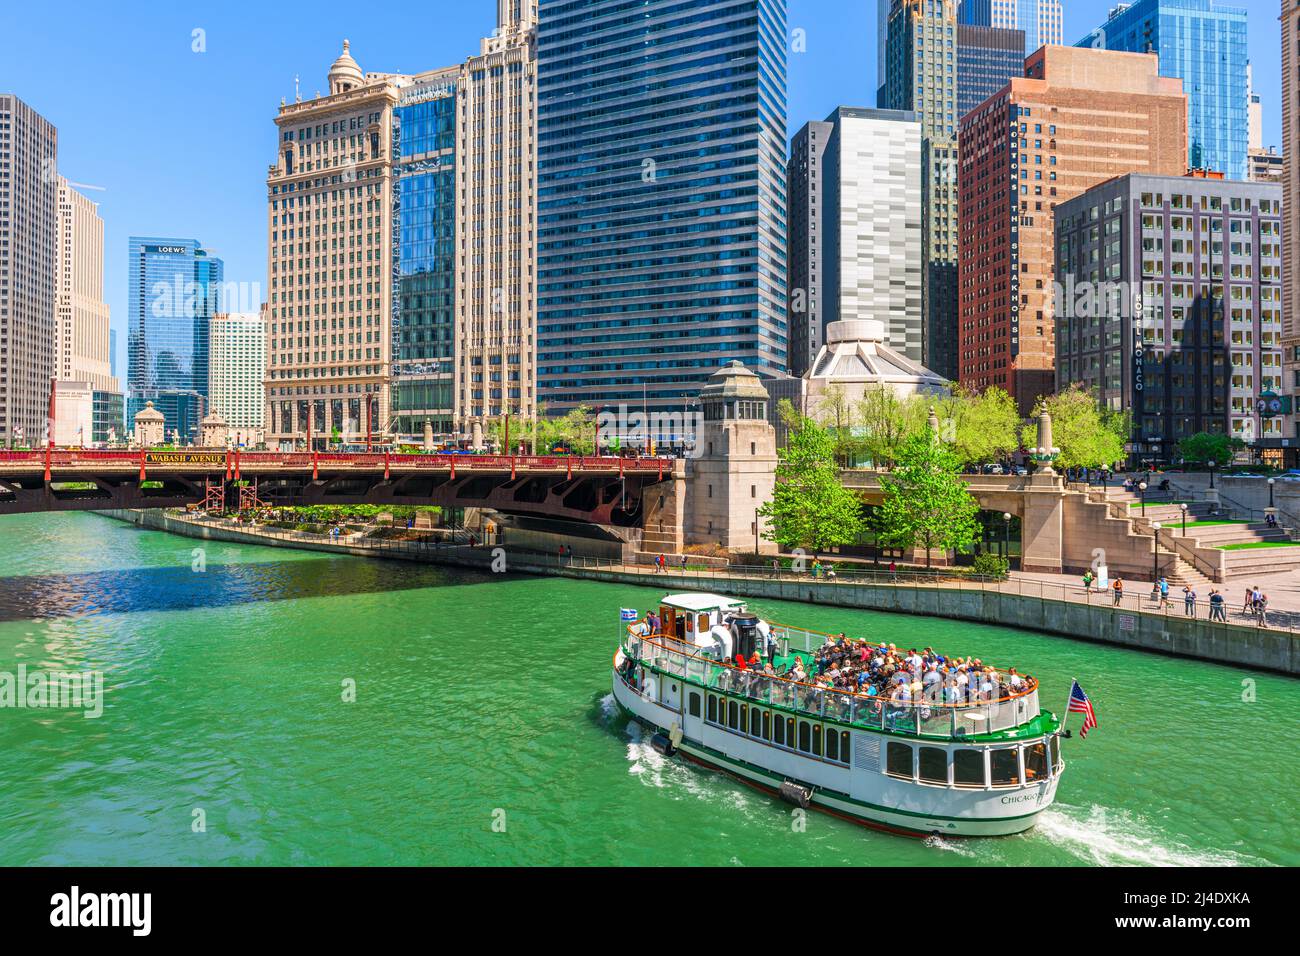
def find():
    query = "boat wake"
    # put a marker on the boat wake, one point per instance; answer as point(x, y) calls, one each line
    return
point(948, 846)
point(1105, 837)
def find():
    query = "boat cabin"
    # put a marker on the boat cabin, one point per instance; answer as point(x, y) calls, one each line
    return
point(719, 626)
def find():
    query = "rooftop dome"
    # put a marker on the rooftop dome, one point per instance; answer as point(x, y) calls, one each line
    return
point(855, 353)
point(733, 380)
point(214, 417)
point(345, 73)
point(149, 414)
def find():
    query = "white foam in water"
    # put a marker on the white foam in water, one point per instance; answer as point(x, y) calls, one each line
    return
point(948, 846)
point(609, 706)
point(1107, 837)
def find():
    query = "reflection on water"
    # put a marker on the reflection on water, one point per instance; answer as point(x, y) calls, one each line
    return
point(30, 597)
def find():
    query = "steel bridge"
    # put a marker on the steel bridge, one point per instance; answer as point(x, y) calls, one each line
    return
point(599, 490)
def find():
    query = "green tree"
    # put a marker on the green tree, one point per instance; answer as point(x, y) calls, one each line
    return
point(980, 426)
point(1205, 447)
point(926, 503)
point(1089, 435)
point(810, 507)
point(836, 413)
point(887, 421)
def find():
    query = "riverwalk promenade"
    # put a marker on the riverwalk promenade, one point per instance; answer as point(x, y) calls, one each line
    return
point(1043, 602)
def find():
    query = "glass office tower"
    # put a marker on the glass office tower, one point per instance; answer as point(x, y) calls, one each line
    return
point(173, 290)
point(1202, 43)
point(1042, 21)
point(987, 58)
point(661, 197)
point(424, 197)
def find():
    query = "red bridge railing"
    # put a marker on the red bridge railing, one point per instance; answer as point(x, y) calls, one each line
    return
point(219, 459)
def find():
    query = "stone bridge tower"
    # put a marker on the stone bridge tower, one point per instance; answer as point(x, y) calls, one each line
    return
point(732, 472)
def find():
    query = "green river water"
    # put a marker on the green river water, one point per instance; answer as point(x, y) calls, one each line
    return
point(483, 730)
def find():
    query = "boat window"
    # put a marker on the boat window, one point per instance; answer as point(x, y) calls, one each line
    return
point(789, 732)
point(968, 768)
point(713, 709)
point(832, 745)
point(844, 746)
point(767, 725)
point(702, 625)
point(756, 722)
point(1035, 762)
point(733, 714)
point(743, 726)
point(695, 704)
point(932, 765)
point(898, 760)
point(778, 732)
point(1005, 766)
point(805, 736)
point(1056, 753)
point(817, 739)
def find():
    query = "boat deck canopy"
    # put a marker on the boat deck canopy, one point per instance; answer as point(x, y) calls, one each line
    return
point(700, 602)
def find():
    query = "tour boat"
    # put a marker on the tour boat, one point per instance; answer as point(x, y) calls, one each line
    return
point(921, 768)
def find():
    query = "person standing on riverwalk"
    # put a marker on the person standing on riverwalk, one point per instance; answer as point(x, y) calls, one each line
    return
point(1218, 610)
point(1189, 601)
point(1087, 581)
point(1119, 591)
point(1163, 587)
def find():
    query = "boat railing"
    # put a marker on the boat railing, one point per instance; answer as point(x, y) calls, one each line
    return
point(928, 716)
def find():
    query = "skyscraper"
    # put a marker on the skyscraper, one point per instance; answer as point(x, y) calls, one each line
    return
point(1077, 118)
point(987, 57)
point(496, 308)
point(921, 78)
point(1291, 215)
point(856, 227)
point(661, 197)
point(424, 297)
point(28, 261)
point(331, 259)
point(82, 346)
point(236, 372)
point(1202, 43)
point(173, 290)
point(1041, 20)
point(1171, 306)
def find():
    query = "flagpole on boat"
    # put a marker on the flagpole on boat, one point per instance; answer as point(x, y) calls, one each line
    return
point(1066, 716)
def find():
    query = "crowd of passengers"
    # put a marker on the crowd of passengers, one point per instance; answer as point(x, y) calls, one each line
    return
point(844, 669)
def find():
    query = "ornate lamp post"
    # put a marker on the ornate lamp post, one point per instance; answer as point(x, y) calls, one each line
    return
point(1045, 453)
point(1142, 487)
point(1270, 492)
point(1006, 536)
point(1183, 509)
point(1212, 464)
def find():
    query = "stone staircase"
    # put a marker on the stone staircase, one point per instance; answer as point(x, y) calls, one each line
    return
point(1208, 542)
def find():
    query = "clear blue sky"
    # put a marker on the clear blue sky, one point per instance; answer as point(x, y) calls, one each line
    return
point(180, 141)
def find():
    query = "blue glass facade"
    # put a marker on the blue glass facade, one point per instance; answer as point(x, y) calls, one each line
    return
point(173, 290)
point(424, 197)
point(1203, 43)
point(661, 209)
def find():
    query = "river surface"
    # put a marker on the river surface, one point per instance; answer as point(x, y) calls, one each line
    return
point(483, 730)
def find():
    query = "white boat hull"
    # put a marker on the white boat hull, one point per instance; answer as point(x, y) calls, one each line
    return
point(860, 792)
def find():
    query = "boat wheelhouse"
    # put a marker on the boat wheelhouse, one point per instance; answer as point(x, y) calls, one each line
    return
point(984, 767)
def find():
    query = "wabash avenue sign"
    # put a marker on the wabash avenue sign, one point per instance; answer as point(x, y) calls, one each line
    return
point(1014, 278)
point(184, 458)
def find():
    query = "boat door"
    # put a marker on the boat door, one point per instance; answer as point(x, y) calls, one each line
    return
point(668, 620)
point(670, 692)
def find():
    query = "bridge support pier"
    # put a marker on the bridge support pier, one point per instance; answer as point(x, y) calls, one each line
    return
point(1043, 524)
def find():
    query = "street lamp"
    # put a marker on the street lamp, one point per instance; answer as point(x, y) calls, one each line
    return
point(1212, 464)
point(1142, 487)
point(1183, 509)
point(1270, 492)
point(1006, 536)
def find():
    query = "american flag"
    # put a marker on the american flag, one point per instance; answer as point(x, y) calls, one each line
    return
point(1080, 704)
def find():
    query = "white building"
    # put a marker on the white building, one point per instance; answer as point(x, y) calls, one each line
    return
point(236, 371)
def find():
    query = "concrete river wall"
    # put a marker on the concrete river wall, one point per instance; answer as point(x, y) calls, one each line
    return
point(1235, 644)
